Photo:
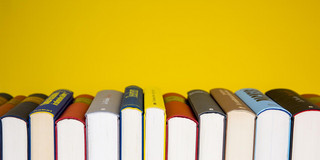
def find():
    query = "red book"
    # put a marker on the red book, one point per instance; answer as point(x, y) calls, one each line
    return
point(71, 131)
point(182, 128)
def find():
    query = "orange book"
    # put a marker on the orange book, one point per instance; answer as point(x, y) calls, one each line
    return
point(10, 104)
point(182, 128)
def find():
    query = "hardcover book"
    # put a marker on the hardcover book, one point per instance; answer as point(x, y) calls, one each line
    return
point(306, 123)
point(154, 125)
point(15, 127)
point(131, 125)
point(313, 98)
point(71, 129)
point(4, 97)
point(11, 104)
point(182, 128)
point(273, 124)
point(102, 120)
point(212, 125)
point(240, 125)
point(42, 126)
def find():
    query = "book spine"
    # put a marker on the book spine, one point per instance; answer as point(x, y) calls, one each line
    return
point(258, 101)
point(291, 101)
point(153, 99)
point(133, 98)
point(4, 98)
point(55, 103)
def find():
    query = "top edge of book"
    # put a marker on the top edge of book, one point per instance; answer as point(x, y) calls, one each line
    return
point(291, 101)
point(56, 103)
point(202, 103)
point(153, 98)
point(106, 101)
point(228, 101)
point(258, 101)
point(132, 98)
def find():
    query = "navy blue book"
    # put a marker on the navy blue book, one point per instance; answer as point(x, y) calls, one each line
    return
point(42, 121)
point(131, 124)
point(15, 128)
point(273, 125)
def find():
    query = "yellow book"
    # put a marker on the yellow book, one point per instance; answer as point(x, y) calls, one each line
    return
point(154, 125)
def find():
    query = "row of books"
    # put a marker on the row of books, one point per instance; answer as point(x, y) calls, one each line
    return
point(145, 124)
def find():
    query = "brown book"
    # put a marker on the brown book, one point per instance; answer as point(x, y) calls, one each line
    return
point(182, 128)
point(240, 125)
point(4, 98)
point(11, 104)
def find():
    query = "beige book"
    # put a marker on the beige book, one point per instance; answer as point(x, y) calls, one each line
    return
point(240, 125)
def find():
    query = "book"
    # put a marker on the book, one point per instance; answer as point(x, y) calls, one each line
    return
point(4, 98)
point(102, 120)
point(240, 125)
point(131, 124)
point(182, 128)
point(71, 129)
point(11, 104)
point(154, 125)
point(313, 98)
point(306, 123)
point(42, 128)
point(212, 125)
point(15, 127)
point(273, 124)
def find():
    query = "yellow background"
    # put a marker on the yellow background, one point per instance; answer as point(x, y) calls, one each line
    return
point(87, 46)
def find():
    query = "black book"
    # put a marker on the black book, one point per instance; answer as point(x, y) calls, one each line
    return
point(15, 128)
point(212, 124)
point(4, 97)
point(306, 123)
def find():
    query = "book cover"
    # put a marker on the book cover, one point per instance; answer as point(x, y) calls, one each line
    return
point(313, 98)
point(272, 140)
point(228, 101)
point(201, 103)
point(11, 104)
point(42, 126)
point(4, 97)
point(291, 101)
point(306, 123)
point(132, 100)
point(102, 130)
point(76, 111)
point(209, 114)
point(153, 100)
point(22, 110)
point(257, 101)
point(176, 106)
point(56, 103)
point(240, 125)
point(106, 101)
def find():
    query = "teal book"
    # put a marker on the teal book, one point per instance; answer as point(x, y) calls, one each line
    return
point(273, 125)
point(42, 121)
point(131, 124)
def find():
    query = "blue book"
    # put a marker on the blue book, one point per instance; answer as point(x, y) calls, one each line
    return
point(273, 125)
point(131, 124)
point(42, 119)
